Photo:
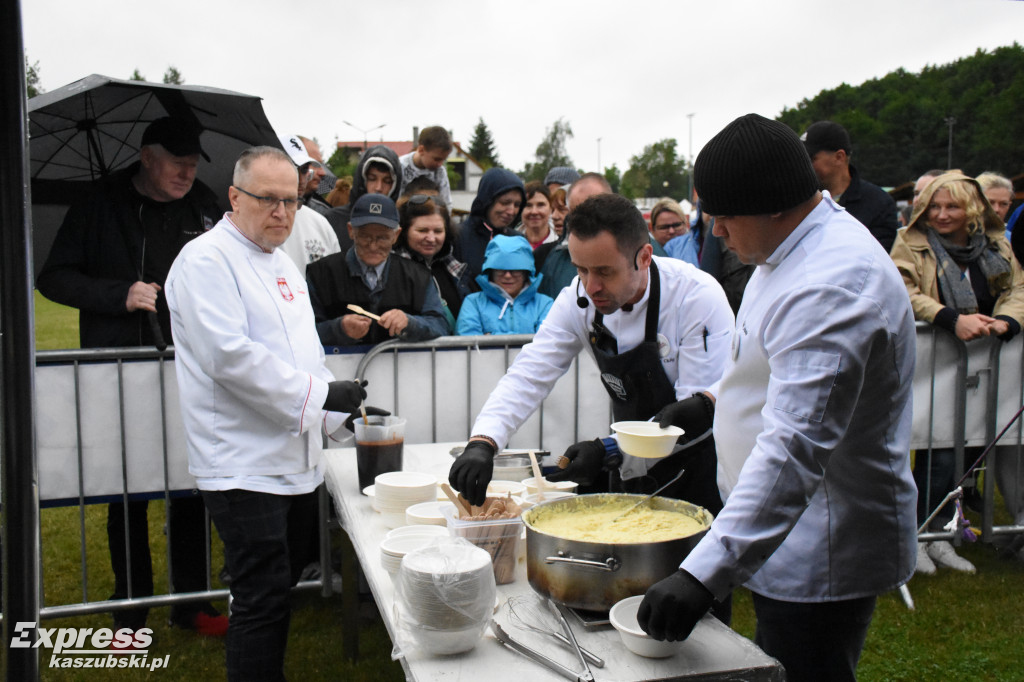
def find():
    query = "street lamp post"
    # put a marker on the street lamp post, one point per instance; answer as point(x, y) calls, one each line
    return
point(689, 155)
point(599, 155)
point(950, 121)
point(364, 132)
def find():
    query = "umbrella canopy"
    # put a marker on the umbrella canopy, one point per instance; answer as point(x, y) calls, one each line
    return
point(85, 131)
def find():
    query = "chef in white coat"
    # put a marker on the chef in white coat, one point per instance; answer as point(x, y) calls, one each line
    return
point(812, 419)
point(254, 394)
point(659, 331)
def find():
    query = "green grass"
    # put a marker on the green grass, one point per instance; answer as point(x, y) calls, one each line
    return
point(965, 627)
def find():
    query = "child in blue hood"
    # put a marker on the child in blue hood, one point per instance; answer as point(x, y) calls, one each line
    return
point(508, 302)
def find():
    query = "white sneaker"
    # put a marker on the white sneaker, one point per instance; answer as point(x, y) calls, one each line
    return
point(943, 554)
point(925, 566)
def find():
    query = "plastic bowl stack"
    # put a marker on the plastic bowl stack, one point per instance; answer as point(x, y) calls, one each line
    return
point(394, 546)
point(396, 491)
point(445, 595)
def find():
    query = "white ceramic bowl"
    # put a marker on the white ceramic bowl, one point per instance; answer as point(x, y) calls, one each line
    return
point(623, 618)
point(550, 486)
point(646, 439)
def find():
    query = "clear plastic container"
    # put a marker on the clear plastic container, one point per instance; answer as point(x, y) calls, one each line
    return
point(499, 537)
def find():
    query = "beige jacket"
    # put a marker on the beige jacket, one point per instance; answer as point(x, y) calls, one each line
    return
point(916, 261)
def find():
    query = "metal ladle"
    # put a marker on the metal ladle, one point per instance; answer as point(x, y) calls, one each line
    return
point(647, 498)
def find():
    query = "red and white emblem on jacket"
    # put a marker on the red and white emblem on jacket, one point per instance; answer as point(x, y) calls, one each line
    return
point(286, 293)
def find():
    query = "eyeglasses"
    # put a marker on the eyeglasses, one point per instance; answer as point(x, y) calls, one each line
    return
point(669, 226)
point(418, 199)
point(514, 273)
point(270, 203)
point(368, 239)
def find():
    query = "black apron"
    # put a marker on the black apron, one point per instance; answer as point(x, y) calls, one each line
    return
point(638, 387)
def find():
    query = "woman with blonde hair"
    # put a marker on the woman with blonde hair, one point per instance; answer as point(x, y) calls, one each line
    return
point(962, 276)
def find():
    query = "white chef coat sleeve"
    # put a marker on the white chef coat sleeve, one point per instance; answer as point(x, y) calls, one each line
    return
point(534, 372)
point(214, 319)
point(817, 365)
point(704, 334)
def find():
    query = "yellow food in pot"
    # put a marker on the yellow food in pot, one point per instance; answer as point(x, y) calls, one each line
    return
point(598, 524)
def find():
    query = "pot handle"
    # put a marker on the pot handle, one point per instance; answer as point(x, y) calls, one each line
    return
point(610, 564)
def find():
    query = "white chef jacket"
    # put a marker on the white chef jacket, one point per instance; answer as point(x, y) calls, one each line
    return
point(695, 325)
point(812, 424)
point(311, 239)
point(250, 367)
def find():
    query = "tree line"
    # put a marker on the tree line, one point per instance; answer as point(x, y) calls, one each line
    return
point(900, 126)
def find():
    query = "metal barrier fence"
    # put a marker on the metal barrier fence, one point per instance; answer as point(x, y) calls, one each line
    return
point(109, 425)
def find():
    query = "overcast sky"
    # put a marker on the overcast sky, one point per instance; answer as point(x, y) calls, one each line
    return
point(625, 72)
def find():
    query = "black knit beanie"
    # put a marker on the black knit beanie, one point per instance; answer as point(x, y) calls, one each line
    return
point(754, 166)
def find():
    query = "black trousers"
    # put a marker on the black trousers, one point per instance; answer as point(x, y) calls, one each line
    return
point(186, 521)
point(265, 548)
point(818, 642)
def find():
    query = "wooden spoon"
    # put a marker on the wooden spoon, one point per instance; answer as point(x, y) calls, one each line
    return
point(537, 478)
point(358, 310)
point(463, 509)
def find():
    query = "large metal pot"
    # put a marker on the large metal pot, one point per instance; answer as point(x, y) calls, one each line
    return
point(593, 576)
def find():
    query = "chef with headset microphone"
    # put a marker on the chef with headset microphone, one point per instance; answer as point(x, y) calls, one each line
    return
point(660, 332)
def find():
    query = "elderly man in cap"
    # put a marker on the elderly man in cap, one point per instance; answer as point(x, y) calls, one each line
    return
point(254, 391)
point(812, 416)
point(109, 260)
point(400, 292)
point(828, 145)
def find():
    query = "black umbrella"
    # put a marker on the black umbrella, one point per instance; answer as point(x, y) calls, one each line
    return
point(84, 131)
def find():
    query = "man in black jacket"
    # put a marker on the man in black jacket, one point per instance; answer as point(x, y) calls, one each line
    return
point(828, 145)
point(109, 260)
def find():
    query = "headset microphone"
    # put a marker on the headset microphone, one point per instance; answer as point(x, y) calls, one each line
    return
point(581, 301)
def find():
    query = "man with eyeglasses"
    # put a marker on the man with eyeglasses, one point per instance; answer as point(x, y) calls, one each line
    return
point(397, 291)
point(254, 391)
point(109, 260)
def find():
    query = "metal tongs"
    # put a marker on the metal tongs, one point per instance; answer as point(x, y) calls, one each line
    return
point(584, 675)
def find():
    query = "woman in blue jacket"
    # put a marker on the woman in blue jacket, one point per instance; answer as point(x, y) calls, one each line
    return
point(508, 302)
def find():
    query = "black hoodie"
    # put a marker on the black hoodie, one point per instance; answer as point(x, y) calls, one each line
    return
point(338, 216)
point(475, 234)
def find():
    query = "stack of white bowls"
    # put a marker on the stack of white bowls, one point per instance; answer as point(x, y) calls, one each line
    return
point(445, 595)
point(396, 491)
point(400, 541)
point(427, 513)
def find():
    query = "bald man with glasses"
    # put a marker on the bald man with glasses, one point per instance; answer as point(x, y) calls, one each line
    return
point(398, 291)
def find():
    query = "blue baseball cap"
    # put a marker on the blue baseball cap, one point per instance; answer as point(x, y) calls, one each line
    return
point(374, 209)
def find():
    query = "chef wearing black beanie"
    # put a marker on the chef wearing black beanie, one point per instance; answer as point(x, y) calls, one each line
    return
point(812, 416)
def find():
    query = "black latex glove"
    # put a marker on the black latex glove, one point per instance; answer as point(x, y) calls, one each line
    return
point(586, 461)
point(370, 411)
point(694, 415)
point(345, 396)
point(673, 606)
point(472, 471)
